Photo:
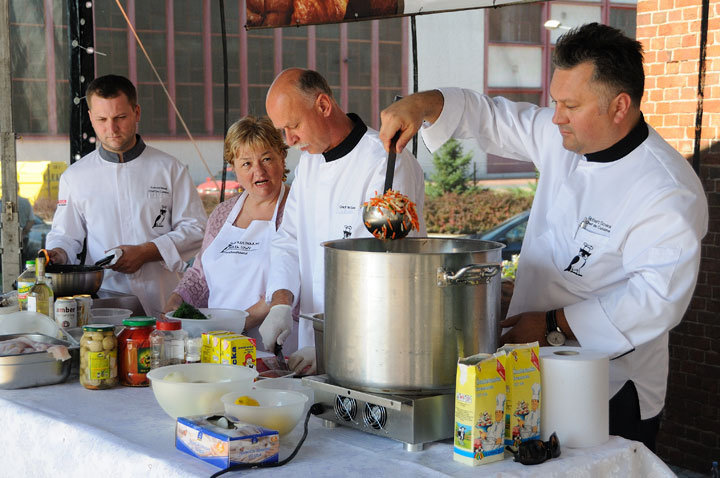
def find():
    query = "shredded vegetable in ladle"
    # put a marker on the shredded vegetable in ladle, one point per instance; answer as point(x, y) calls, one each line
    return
point(399, 206)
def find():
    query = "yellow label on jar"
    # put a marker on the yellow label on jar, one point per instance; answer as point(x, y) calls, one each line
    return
point(99, 364)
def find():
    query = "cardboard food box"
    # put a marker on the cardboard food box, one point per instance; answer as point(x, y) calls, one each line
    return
point(480, 409)
point(221, 442)
point(221, 346)
point(522, 407)
point(210, 340)
point(237, 350)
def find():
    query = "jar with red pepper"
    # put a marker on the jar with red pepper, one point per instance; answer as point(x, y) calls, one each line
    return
point(135, 351)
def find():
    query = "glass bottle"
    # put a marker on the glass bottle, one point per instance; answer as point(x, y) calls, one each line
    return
point(168, 343)
point(193, 350)
point(135, 351)
point(25, 281)
point(40, 298)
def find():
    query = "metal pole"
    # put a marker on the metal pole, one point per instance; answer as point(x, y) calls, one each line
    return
point(9, 213)
point(701, 84)
point(415, 74)
point(226, 107)
point(82, 72)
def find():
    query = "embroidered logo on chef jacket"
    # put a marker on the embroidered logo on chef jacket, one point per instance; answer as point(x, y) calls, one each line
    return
point(579, 261)
point(597, 226)
point(160, 219)
point(347, 231)
point(62, 202)
point(158, 192)
point(240, 247)
point(346, 209)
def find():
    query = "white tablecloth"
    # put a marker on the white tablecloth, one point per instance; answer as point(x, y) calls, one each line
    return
point(66, 430)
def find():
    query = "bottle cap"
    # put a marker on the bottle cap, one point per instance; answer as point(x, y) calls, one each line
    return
point(169, 324)
point(139, 321)
point(98, 327)
point(30, 263)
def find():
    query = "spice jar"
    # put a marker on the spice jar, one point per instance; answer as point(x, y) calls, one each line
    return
point(134, 351)
point(168, 343)
point(98, 357)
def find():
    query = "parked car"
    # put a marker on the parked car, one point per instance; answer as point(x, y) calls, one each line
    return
point(510, 233)
point(212, 187)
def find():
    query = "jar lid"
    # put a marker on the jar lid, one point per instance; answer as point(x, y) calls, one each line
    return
point(98, 327)
point(139, 321)
point(169, 324)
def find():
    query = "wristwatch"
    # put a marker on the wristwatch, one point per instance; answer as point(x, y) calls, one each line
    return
point(554, 335)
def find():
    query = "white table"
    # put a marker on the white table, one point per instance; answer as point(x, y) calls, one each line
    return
point(66, 430)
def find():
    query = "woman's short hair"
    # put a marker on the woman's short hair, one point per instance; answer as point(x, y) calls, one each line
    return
point(253, 132)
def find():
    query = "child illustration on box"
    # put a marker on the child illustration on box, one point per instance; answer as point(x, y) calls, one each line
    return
point(531, 425)
point(478, 449)
point(494, 434)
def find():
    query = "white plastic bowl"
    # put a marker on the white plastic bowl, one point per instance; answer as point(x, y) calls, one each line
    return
point(232, 320)
point(293, 384)
point(109, 315)
point(279, 410)
point(204, 385)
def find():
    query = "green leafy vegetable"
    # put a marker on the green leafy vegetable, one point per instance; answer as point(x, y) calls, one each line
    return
point(187, 311)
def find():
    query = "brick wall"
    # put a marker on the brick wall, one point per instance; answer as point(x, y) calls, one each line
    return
point(670, 33)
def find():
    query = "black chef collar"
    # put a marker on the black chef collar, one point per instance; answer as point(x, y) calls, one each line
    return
point(127, 156)
point(349, 143)
point(623, 147)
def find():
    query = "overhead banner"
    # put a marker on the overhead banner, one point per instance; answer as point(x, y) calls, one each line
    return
point(284, 13)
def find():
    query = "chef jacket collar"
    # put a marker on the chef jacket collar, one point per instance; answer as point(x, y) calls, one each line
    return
point(127, 156)
point(623, 147)
point(349, 143)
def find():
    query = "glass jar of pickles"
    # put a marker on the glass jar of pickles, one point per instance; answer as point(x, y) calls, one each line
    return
point(98, 357)
point(135, 351)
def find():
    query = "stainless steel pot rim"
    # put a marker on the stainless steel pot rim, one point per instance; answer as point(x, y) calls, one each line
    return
point(70, 268)
point(440, 246)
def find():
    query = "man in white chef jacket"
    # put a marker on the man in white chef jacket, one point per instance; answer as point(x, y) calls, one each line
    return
point(612, 249)
point(496, 431)
point(342, 165)
point(531, 425)
point(130, 197)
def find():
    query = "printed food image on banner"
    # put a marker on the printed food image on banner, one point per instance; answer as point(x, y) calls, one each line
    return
point(279, 13)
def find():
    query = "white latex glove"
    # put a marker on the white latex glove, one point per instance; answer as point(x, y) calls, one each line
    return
point(303, 361)
point(276, 327)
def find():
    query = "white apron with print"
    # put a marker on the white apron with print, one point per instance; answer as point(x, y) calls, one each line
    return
point(237, 263)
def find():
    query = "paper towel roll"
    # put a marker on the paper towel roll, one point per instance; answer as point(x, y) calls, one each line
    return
point(575, 396)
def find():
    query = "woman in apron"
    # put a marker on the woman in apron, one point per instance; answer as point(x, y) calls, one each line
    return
point(231, 269)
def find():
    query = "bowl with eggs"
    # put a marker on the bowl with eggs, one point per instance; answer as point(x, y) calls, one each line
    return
point(196, 388)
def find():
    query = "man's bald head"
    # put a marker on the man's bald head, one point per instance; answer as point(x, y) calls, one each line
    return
point(307, 83)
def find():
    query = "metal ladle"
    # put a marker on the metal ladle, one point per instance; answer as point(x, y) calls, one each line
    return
point(375, 217)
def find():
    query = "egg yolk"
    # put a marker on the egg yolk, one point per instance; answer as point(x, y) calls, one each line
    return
point(245, 400)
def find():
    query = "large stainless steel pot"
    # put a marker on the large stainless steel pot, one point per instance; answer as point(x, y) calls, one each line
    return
point(68, 279)
point(398, 314)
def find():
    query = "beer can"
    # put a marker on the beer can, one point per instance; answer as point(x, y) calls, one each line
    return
point(66, 312)
point(84, 304)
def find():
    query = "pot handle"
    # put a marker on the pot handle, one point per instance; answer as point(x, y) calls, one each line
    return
point(473, 274)
point(314, 318)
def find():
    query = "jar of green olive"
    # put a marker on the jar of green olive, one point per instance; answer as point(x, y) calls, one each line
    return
point(98, 357)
